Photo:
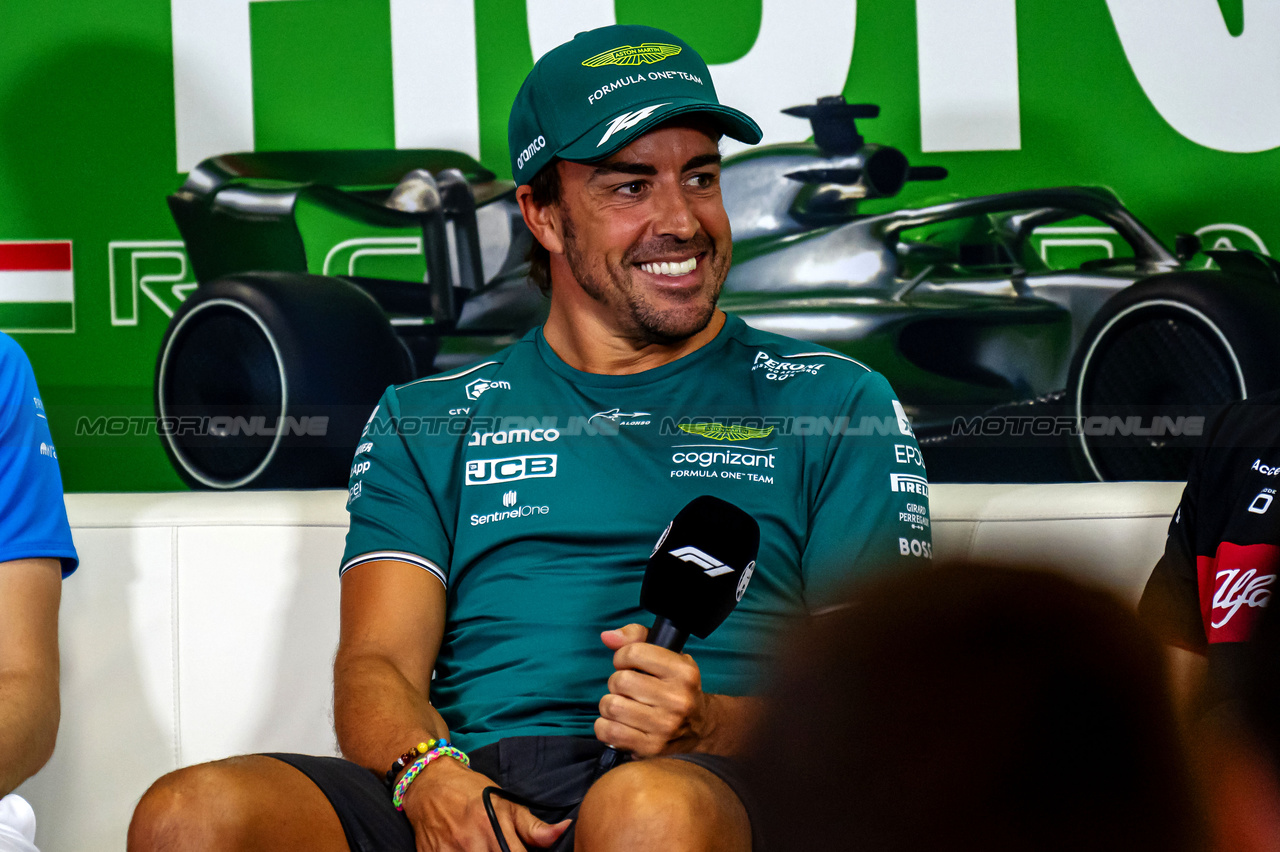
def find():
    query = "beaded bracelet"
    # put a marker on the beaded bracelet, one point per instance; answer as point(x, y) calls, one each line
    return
point(408, 757)
point(422, 763)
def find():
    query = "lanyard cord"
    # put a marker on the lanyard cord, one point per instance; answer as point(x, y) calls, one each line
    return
point(608, 759)
point(488, 794)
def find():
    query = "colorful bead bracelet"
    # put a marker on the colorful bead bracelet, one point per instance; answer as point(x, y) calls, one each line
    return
point(410, 756)
point(422, 763)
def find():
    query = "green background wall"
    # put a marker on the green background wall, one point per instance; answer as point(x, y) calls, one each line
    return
point(1178, 112)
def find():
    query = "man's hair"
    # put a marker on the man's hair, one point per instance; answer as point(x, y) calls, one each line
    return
point(973, 707)
point(546, 191)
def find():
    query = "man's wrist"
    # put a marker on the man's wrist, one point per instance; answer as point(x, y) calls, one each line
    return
point(438, 773)
point(402, 763)
point(726, 721)
point(439, 752)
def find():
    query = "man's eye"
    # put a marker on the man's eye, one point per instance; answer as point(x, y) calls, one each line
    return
point(634, 188)
point(702, 180)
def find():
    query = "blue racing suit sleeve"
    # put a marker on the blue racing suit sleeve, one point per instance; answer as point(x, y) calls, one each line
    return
point(33, 516)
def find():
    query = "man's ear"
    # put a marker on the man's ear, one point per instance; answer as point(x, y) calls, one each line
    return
point(543, 221)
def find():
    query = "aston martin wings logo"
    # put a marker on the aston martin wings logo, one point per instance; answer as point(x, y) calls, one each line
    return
point(721, 432)
point(646, 54)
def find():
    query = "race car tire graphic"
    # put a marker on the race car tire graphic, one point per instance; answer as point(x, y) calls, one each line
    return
point(265, 380)
point(1160, 354)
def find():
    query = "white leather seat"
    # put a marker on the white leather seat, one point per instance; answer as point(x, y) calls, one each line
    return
point(1110, 534)
point(202, 625)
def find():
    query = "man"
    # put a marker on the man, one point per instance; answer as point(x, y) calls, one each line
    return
point(502, 514)
point(1210, 587)
point(35, 554)
point(1011, 708)
point(1237, 747)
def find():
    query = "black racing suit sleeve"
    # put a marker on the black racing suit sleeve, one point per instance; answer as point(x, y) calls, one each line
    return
point(1170, 603)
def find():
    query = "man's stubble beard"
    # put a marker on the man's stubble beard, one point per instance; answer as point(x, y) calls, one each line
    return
point(636, 316)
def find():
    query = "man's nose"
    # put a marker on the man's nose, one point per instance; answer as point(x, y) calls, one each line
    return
point(674, 215)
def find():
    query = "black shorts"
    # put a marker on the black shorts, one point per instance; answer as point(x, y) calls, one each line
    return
point(545, 769)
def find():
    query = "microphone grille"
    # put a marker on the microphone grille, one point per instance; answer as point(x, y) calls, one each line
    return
point(701, 566)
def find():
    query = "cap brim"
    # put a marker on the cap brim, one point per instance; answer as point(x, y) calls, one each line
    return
point(598, 143)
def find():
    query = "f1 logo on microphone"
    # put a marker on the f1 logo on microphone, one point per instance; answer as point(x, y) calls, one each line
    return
point(710, 566)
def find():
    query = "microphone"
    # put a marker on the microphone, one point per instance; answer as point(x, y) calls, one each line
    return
point(697, 573)
point(699, 570)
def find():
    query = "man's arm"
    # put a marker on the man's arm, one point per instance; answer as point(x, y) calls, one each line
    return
point(393, 616)
point(1187, 673)
point(30, 590)
point(392, 623)
point(1170, 603)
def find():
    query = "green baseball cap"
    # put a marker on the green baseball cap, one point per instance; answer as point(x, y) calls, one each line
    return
point(594, 95)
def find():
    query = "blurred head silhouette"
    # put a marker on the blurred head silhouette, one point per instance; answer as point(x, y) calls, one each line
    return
point(1237, 744)
point(973, 707)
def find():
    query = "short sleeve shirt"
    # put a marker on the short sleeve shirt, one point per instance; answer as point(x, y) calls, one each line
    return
point(535, 493)
point(1219, 566)
point(33, 517)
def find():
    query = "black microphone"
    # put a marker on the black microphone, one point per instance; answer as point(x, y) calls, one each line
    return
point(699, 570)
point(696, 575)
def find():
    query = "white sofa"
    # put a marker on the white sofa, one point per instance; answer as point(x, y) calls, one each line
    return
point(202, 625)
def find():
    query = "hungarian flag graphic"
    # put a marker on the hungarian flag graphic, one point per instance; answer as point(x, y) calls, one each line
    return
point(37, 288)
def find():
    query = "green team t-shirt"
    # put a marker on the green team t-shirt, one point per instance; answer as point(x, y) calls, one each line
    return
point(535, 492)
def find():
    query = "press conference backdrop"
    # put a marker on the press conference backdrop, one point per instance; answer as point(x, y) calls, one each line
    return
point(1173, 104)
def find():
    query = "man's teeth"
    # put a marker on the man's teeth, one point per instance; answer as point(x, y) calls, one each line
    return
point(671, 268)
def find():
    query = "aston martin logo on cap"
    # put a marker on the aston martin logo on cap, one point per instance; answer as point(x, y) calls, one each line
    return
point(721, 432)
point(646, 54)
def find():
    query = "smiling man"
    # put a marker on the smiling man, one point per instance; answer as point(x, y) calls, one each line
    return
point(634, 297)
point(502, 515)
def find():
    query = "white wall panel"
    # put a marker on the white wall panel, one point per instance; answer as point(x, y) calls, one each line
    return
point(117, 733)
point(257, 630)
point(433, 74)
point(1217, 89)
point(968, 60)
